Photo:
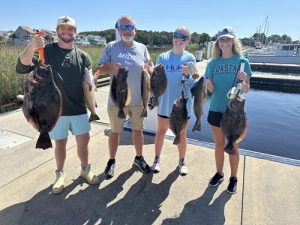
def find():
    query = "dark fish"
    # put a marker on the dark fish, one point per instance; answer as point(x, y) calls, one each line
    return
point(120, 92)
point(145, 91)
point(158, 84)
point(199, 91)
point(178, 117)
point(89, 88)
point(42, 104)
point(233, 122)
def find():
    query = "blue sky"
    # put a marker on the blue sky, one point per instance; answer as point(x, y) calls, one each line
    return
point(245, 16)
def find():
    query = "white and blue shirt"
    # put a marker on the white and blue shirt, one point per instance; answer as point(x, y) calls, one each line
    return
point(172, 65)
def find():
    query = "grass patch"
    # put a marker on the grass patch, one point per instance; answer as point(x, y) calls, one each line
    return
point(12, 83)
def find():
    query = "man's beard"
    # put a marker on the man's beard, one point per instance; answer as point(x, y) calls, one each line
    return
point(127, 38)
point(64, 39)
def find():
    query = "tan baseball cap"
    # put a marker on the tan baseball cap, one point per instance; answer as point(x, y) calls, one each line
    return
point(66, 20)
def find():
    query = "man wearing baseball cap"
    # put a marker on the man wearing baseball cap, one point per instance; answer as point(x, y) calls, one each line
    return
point(66, 20)
point(69, 64)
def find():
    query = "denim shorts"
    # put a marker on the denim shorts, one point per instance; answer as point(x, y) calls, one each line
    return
point(214, 118)
point(77, 125)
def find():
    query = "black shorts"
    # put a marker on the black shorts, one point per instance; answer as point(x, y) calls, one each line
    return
point(214, 118)
point(165, 117)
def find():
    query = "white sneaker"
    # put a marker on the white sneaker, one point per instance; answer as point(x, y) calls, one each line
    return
point(59, 183)
point(156, 165)
point(88, 175)
point(183, 170)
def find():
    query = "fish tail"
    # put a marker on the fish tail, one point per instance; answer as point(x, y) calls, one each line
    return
point(94, 117)
point(43, 141)
point(144, 112)
point(176, 140)
point(121, 114)
point(229, 148)
point(197, 125)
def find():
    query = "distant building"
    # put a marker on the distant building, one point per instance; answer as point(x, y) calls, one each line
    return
point(3, 37)
point(82, 40)
point(50, 36)
point(96, 40)
point(22, 35)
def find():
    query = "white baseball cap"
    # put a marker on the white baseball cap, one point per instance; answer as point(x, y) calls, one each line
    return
point(66, 20)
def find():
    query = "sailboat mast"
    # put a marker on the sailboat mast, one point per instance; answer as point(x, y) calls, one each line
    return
point(264, 33)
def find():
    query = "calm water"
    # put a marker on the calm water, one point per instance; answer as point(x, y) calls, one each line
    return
point(273, 124)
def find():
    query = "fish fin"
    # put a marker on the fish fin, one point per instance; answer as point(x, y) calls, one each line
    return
point(144, 112)
point(128, 97)
point(94, 117)
point(121, 114)
point(33, 123)
point(176, 140)
point(155, 102)
point(197, 125)
point(43, 141)
point(193, 90)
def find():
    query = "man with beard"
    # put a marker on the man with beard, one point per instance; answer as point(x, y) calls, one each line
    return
point(134, 56)
point(68, 65)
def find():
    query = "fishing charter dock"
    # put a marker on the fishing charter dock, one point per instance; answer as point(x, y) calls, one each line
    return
point(268, 81)
point(274, 67)
point(268, 191)
point(283, 83)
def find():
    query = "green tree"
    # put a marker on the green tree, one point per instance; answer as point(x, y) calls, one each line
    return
point(286, 39)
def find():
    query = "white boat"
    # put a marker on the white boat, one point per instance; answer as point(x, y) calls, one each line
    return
point(277, 54)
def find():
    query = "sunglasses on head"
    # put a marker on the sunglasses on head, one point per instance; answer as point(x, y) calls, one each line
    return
point(127, 27)
point(178, 35)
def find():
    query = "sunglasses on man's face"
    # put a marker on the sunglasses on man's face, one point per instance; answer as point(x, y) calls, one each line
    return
point(178, 35)
point(127, 27)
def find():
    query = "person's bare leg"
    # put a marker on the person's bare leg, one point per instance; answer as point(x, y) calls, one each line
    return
point(60, 153)
point(113, 143)
point(161, 130)
point(219, 148)
point(138, 141)
point(82, 148)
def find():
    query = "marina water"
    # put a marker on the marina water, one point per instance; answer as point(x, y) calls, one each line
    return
point(273, 124)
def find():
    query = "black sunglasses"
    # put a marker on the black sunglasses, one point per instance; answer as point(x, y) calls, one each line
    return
point(178, 35)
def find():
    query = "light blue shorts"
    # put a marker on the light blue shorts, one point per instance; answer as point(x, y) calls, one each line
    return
point(78, 125)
